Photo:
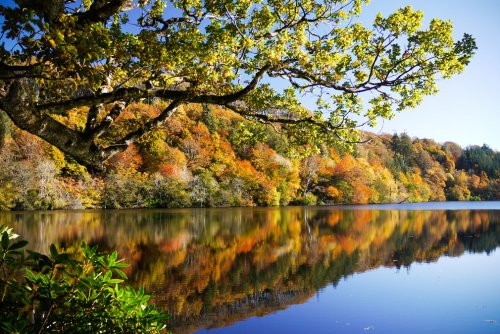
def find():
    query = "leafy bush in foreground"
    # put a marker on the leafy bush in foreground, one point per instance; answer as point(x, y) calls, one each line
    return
point(62, 294)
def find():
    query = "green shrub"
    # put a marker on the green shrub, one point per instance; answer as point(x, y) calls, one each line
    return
point(64, 293)
point(309, 199)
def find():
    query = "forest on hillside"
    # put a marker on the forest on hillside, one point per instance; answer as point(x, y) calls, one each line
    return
point(206, 156)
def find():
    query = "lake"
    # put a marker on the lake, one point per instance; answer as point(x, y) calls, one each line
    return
point(410, 268)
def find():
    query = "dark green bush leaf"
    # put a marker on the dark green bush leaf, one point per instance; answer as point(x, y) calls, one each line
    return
point(17, 245)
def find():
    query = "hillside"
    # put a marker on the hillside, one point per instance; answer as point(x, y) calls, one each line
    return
point(208, 156)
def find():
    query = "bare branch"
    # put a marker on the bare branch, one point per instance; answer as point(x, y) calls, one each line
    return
point(122, 144)
point(268, 118)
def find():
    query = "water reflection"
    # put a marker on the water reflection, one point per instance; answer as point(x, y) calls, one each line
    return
point(211, 267)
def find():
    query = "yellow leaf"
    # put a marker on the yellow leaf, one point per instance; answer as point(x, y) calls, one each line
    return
point(51, 41)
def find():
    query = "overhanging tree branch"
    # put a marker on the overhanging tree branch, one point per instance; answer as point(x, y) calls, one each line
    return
point(135, 94)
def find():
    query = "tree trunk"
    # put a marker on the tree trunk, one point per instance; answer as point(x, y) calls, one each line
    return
point(19, 104)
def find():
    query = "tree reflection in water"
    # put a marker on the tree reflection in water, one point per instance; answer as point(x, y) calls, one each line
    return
point(211, 267)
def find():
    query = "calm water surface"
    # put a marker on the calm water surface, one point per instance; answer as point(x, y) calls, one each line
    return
point(426, 268)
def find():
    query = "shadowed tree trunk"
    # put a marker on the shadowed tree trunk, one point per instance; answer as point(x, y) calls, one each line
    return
point(19, 105)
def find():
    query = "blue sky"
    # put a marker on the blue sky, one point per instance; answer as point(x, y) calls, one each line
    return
point(466, 110)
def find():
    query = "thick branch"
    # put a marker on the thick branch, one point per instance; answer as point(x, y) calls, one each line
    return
point(168, 22)
point(98, 130)
point(224, 99)
point(99, 12)
point(133, 93)
point(19, 106)
point(92, 115)
point(8, 72)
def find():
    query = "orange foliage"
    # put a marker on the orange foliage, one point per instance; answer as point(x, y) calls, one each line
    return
point(332, 192)
point(246, 169)
point(139, 109)
point(345, 165)
point(168, 170)
point(130, 158)
point(362, 192)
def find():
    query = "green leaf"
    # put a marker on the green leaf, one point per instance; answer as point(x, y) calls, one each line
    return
point(121, 273)
point(30, 275)
point(19, 244)
point(5, 240)
point(115, 280)
point(53, 251)
point(107, 276)
point(120, 265)
point(112, 258)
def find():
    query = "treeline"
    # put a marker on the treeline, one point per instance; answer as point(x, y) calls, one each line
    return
point(210, 157)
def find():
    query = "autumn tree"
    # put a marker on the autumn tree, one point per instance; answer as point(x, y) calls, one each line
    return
point(102, 56)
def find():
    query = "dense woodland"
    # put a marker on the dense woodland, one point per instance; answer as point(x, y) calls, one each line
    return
point(206, 156)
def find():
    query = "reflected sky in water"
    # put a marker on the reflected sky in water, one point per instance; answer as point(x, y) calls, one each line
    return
point(452, 295)
point(300, 269)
